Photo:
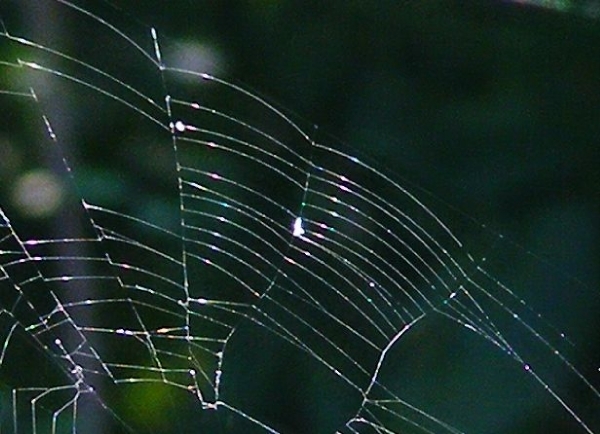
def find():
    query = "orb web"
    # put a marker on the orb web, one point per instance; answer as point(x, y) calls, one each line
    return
point(276, 261)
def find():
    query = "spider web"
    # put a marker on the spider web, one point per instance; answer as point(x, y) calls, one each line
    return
point(279, 261)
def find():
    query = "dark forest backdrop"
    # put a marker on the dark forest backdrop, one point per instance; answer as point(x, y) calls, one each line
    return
point(488, 107)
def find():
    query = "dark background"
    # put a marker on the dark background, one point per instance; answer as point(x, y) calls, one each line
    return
point(486, 107)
